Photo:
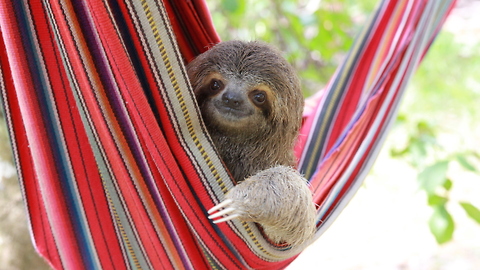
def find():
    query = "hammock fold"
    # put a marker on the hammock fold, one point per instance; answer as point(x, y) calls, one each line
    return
point(116, 167)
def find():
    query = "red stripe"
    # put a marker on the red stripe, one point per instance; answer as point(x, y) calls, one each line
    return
point(42, 233)
point(193, 26)
point(37, 140)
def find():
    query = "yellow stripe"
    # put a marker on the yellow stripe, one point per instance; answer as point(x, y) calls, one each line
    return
point(120, 227)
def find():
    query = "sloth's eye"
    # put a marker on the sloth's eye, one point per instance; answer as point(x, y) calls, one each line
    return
point(259, 97)
point(216, 85)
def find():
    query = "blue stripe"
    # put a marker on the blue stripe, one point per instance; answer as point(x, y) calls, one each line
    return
point(53, 128)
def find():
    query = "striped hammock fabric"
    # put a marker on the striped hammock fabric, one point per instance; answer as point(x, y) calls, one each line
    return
point(115, 164)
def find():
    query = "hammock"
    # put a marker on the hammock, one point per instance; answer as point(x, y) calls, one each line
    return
point(115, 165)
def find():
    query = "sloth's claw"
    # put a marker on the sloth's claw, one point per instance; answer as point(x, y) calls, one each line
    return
point(224, 212)
point(227, 218)
point(220, 205)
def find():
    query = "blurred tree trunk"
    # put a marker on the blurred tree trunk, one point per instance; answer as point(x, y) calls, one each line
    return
point(16, 249)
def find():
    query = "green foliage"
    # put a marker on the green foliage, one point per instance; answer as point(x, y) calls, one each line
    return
point(471, 211)
point(314, 35)
point(441, 101)
point(441, 224)
point(442, 98)
point(433, 176)
point(431, 159)
point(467, 165)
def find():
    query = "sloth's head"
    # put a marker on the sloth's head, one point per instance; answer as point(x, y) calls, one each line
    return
point(247, 89)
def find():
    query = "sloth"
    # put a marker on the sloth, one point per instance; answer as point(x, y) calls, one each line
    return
point(251, 103)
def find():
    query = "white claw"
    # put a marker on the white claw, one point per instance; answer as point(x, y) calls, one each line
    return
point(221, 213)
point(224, 212)
point(226, 218)
point(220, 205)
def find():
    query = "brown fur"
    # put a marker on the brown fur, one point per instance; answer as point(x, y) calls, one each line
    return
point(255, 139)
point(268, 141)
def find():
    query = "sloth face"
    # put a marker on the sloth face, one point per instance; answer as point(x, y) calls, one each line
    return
point(246, 88)
point(232, 103)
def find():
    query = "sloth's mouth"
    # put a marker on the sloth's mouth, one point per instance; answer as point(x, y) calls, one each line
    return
point(233, 113)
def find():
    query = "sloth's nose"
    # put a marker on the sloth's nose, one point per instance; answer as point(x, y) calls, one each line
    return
point(232, 99)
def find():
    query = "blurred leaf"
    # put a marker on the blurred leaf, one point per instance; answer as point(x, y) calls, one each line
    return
point(398, 153)
point(402, 118)
point(435, 200)
point(433, 176)
point(472, 211)
point(441, 224)
point(231, 6)
point(425, 128)
point(465, 163)
point(448, 184)
point(418, 151)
